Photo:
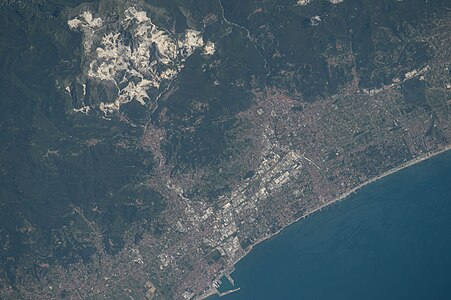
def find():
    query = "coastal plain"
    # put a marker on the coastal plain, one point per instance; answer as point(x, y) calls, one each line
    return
point(149, 145)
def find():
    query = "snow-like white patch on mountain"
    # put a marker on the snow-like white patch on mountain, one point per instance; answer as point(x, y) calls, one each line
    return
point(88, 25)
point(303, 2)
point(143, 59)
point(209, 48)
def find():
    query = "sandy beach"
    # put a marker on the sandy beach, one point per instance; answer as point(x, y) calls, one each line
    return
point(343, 196)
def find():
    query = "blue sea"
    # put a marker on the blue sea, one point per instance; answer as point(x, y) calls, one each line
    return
point(390, 240)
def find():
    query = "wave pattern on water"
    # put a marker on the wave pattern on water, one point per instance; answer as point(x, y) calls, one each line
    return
point(391, 240)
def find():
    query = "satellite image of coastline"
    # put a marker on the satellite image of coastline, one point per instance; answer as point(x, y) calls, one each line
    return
point(148, 145)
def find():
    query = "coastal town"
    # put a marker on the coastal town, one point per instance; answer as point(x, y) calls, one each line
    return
point(180, 145)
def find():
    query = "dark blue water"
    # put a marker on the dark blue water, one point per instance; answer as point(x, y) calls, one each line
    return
point(391, 240)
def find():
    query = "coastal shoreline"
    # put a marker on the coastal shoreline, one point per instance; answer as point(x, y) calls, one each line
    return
point(426, 156)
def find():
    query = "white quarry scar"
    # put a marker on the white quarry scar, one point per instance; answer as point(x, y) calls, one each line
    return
point(154, 56)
